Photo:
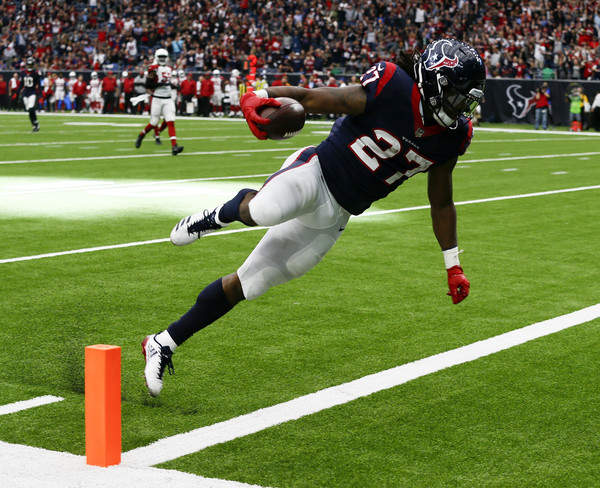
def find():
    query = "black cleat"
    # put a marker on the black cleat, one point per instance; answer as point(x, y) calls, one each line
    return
point(138, 141)
point(157, 141)
point(36, 127)
point(177, 149)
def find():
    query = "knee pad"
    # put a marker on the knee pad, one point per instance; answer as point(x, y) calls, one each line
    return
point(256, 284)
point(265, 213)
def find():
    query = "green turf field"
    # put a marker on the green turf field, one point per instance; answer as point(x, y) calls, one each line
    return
point(528, 416)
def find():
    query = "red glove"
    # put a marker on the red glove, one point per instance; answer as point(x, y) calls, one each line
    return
point(249, 103)
point(152, 67)
point(458, 283)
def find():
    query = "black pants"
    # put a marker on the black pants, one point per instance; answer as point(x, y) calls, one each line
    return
point(204, 106)
point(594, 122)
point(79, 103)
point(109, 103)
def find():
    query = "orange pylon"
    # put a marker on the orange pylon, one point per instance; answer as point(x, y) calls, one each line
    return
point(103, 405)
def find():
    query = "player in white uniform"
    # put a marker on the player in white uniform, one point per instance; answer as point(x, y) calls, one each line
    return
point(179, 105)
point(217, 98)
point(59, 92)
point(175, 84)
point(48, 92)
point(160, 81)
point(95, 94)
point(70, 98)
point(234, 94)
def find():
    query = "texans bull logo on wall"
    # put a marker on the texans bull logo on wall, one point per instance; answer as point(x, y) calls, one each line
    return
point(520, 104)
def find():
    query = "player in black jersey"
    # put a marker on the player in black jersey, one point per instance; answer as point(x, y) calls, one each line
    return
point(402, 119)
point(30, 85)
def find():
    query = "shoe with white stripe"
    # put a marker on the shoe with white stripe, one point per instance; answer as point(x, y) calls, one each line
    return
point(190, 229)
point(158, 358)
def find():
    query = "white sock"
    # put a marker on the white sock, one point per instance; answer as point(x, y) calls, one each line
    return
point(165, 339)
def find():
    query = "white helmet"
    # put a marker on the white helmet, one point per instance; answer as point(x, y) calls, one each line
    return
point(181, 73)
point(125, 74)
point(235, 73)
point(160, 56)
point(216, 72)
point(72, 74)
point(94, 75)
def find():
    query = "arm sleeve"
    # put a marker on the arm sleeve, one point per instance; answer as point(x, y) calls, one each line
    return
point(151, 83)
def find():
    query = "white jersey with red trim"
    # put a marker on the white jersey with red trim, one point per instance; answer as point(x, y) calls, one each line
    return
point(94, 86)
point(59, 88)
point(164, 76)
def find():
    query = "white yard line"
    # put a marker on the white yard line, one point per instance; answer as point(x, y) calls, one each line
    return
point(539, 156)
point(250, 137)
point(28, 467)
point(536, 132)
point(117, 141)
point(190, 442)
point(27, 404)
point(278, 149)
point(249, 229)
point(143, 155)
point(114, 246)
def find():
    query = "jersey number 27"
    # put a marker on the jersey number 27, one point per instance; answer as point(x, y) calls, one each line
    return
point(372, 161)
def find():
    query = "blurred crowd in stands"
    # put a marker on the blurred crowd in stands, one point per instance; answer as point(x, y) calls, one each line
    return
point(92, 53)
point(522, 39)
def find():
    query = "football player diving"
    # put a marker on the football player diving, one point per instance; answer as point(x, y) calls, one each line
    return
point(402, 119)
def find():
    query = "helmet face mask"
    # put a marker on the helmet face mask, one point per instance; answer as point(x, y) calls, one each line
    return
point(161, 56)
point(29, 64)
point(451, 78)
point(456, 103)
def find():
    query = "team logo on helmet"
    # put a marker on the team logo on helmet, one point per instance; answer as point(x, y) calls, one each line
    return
point(436, 57)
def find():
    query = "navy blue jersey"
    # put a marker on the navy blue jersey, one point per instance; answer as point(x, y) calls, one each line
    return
point(30, 82)
point(366, 157)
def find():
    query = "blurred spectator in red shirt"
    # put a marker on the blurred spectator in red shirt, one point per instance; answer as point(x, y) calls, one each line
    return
point(109, 87)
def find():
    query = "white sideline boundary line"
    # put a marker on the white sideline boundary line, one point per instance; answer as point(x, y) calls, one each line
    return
point(27, 404)
point(250, 229)
point(196, 440)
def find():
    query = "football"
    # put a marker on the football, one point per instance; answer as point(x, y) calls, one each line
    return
point(286, 120)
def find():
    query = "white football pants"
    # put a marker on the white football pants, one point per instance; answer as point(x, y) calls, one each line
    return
point(29, 102)
point(305, 222)
point(164, 107)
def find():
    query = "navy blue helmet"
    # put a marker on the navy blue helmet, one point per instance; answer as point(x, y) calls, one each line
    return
point(451, 78)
